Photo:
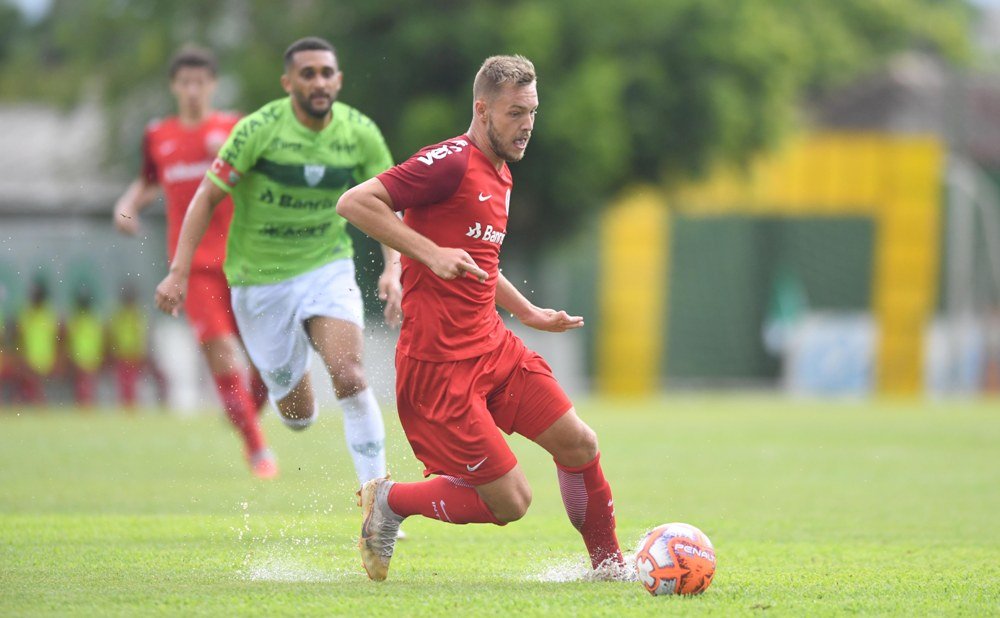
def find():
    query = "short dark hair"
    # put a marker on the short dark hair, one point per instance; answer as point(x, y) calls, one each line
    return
point(193, 56)
point(309, 43)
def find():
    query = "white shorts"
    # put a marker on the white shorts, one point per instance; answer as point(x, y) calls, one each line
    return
point(272, 319)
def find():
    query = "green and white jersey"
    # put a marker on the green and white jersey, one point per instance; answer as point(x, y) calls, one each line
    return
point(285, 180)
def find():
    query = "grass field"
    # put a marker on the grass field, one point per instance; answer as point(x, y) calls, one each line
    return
point(814, 509)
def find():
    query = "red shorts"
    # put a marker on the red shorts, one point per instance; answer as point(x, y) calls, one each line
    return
point(207, 305)
point(453, 412)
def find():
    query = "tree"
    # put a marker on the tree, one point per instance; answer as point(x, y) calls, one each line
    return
point(654, 90)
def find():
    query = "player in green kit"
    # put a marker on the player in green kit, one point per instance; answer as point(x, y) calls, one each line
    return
point(289, 259)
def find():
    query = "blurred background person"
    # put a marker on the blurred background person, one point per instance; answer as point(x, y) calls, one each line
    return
point(83, 338)
point(177, 152)
point(37, 344)
point(128, 349)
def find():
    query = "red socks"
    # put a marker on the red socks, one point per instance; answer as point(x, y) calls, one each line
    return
point(585, 492)
point(258, 390)
point(444, 497)
point(239, 408)
point(587, 498)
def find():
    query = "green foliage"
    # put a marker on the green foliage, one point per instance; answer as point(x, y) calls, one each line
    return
point(11, 24)
point(630, 90)
point(815, 509)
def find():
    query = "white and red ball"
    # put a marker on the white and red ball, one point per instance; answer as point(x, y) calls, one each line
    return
point(675, 559)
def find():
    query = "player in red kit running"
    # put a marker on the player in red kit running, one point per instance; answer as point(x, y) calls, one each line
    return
point(462, 377)
point(176, 153)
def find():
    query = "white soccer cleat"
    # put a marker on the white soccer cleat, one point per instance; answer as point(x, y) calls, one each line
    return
point(379, 528)
point(613, 571)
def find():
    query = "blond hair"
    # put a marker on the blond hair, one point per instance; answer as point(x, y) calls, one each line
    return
point(499, 70)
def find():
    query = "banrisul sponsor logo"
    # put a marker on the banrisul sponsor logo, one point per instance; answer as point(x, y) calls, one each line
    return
point(488, 233)
point(429, 157)
point(286, 200)
point(290, 201)
point(313, 174)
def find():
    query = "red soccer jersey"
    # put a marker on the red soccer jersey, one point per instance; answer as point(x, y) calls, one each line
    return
point(452, 194)
point(176, 157)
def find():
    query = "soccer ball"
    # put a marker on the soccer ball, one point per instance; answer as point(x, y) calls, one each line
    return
point(675, 559)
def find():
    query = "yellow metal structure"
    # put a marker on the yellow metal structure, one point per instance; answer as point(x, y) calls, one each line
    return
point(635, 254)
point(895, 180)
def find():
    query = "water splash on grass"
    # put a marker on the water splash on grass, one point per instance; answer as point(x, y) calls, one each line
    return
point(562, 570)
point(275, 567)
point(578, 570)
point(289, 551)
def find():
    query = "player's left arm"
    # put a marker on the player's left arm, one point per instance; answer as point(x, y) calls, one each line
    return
point(509, 298)
point(390, 290)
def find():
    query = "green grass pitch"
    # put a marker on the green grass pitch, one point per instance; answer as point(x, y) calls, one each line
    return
point(815, 509)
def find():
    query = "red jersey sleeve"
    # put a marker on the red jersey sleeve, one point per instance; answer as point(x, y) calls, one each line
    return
point(429, 177)
point(148, 164)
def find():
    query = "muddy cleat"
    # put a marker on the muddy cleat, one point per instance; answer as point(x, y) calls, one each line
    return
point(263, 465)
point(379, 527)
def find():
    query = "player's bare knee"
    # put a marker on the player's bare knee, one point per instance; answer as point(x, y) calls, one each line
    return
point(512, 510)
point(587, 447)
point(507, 516)
point(578, 448)
point(511, 503)
point(348, 382)
point(222, 355)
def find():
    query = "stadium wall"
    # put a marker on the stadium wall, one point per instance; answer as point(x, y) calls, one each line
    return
point(880, 194)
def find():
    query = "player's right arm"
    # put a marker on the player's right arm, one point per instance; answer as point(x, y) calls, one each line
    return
point(170, 292)
point(234, 158)
point(136, 198)
point(368, 207)
point(139, 194)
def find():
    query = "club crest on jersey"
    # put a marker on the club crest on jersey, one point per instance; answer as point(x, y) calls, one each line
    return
point(488, 233)
point(314, 174)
